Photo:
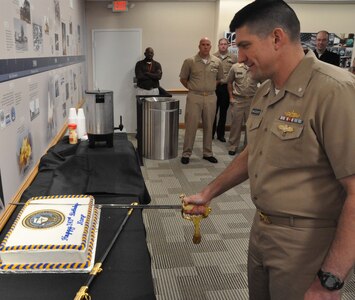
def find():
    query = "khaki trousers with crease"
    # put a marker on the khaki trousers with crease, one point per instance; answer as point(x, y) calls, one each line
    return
point(283, 261)
point(197, 107)
point(239, 116)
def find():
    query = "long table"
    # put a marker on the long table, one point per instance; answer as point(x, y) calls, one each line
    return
point(111, 175)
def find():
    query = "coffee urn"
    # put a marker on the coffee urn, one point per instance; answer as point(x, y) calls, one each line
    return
point(99, 117)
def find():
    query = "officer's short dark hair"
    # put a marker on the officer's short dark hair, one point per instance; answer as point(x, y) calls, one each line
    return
point(262, 17)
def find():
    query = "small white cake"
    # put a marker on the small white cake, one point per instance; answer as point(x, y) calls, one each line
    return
point(52, 234)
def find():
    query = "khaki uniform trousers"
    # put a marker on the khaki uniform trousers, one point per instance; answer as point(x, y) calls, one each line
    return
point(284, 260)
point(199, 105)
point(239, 116)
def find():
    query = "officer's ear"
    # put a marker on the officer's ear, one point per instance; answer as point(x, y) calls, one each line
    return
point(278, 37)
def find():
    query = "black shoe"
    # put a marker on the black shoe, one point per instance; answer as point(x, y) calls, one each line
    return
point(211, 159)
point(185, 160)
point(231, 152)
point(222, 139)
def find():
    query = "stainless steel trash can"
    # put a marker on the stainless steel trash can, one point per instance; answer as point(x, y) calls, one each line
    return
point(160, 124)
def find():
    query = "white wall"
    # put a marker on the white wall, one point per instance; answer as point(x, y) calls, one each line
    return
point(172, 29)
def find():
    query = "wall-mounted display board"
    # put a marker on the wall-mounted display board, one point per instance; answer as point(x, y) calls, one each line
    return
point(42, 75)
point(37, 28)
point(32, 111)
point(230, 36)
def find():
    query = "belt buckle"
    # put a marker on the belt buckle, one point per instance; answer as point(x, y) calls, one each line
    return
point(264, 218)
point(204, 94)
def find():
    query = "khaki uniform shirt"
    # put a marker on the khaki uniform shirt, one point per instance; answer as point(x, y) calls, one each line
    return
point(202, 77)
point(301, 141)
point(227, 61)
point(243, 84)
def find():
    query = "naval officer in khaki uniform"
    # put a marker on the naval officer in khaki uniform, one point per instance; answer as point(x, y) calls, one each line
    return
point(299, 160)
point(227, 59)
point(200, 74)
point(241, 89)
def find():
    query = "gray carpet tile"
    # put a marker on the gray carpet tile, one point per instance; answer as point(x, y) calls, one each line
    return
point(216, 268)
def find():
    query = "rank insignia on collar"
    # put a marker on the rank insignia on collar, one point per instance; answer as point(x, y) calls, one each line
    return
point(285, 128)
point(292, 114)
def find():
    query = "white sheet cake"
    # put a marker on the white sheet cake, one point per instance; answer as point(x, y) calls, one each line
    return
point(53, 234)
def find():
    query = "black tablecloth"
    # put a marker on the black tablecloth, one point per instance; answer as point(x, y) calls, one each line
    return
point(111, 175)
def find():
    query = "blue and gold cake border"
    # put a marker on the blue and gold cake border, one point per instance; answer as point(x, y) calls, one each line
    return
point(56, 266)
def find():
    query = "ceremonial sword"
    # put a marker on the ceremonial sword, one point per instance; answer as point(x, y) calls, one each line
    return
point(110, 205)
point(196, 219)
point(83, 294)
point(83, 291)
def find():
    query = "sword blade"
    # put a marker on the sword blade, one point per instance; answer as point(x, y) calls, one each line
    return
point(110, 205)
point(142, 206)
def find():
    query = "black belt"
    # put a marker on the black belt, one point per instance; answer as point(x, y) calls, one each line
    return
point(296, 221)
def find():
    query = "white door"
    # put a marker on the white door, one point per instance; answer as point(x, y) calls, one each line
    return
point(115, 53)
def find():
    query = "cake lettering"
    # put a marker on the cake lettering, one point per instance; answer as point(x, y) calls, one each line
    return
point(70, 229)
point(73, 209)
point(82, 219)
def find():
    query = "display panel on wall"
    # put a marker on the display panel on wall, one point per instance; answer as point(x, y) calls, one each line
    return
point(42, 75)
point(33, 110)
point(230, 36)
point(37, 28)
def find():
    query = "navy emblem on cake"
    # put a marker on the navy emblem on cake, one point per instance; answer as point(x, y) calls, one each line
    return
point(43, 219)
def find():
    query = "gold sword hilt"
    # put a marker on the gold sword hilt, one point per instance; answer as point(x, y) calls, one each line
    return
point(196, 219)
point(82, 294)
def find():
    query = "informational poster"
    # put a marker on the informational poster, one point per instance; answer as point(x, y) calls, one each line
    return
point(33, 28)
point(230, 36)
point(33, 110)
point(41, 48)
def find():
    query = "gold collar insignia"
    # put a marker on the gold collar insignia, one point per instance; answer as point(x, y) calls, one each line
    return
point(292, 114)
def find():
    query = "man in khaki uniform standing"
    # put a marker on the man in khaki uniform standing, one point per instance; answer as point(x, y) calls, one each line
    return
point(241, 89)
point(299, 160)
point(200, 74)
point(227, 59)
